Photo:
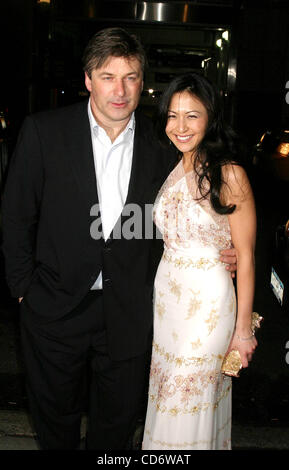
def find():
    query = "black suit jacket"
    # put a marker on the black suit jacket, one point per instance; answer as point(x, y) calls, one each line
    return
point(51, 258)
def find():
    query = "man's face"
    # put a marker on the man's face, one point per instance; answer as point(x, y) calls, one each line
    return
point(115, 90)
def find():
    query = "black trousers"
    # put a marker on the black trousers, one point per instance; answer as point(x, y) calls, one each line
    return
point(67, 361)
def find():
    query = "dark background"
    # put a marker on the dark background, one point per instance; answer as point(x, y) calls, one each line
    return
point(41, 48)
point(42, 44)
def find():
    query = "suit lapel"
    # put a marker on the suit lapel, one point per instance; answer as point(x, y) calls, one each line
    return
point(82, 161)
point(140, 164)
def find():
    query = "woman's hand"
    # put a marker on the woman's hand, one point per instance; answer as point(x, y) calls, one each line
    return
point(246, 347)
point(229, 257)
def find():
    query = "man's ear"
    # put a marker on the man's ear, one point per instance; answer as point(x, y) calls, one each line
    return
point(87, 81)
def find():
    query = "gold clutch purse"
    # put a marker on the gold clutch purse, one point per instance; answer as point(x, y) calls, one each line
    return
point(232, 362)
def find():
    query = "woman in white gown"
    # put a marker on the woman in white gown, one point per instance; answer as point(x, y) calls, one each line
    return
point(205, 205)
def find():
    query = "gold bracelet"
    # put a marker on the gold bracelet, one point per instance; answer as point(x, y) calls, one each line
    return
point(246, 339)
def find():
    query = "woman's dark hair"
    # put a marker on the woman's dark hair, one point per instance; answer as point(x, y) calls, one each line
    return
point(220, 144)
point(109, 42)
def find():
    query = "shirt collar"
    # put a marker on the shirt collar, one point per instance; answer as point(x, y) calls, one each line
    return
point(95, 127)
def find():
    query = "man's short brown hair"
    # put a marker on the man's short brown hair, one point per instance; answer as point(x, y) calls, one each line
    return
point(109, 42)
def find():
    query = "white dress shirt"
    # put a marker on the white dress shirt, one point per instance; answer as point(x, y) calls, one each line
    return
point(112, 162)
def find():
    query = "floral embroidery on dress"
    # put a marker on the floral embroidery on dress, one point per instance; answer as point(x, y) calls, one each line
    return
point(175, 336)
point(183, 360)
point(199, 263)
point(196, 344)
point(212, 320)
point(187, 387)
point(160, 308)
point(175, 288)
point(194, 305)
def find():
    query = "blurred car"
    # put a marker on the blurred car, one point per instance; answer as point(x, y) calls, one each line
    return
point(271, 154)
point(280, 267)
point(270, 160)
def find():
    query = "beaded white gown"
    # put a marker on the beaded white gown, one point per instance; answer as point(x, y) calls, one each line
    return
point(189, 402)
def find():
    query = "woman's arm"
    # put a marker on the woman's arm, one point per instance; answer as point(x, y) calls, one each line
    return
point(243, 231)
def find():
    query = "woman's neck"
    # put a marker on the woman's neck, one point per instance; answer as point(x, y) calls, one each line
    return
point(188, 161)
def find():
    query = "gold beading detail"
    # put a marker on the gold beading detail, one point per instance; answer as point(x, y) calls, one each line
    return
point(200, 263)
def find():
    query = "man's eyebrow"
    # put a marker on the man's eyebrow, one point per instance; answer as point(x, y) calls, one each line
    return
point(133, 72)
point(109, 73)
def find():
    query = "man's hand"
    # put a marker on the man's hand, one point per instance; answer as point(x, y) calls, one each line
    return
point(20, 299)
point(229, 256)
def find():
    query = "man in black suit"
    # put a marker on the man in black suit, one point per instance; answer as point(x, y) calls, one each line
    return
point(86, 297)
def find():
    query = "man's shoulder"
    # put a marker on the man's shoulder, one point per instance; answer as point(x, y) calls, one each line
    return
point(146, 133)
point(145, 130)
point(143, 121)
point(61, 114)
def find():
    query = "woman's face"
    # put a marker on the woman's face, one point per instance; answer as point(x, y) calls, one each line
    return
point(187, 122)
